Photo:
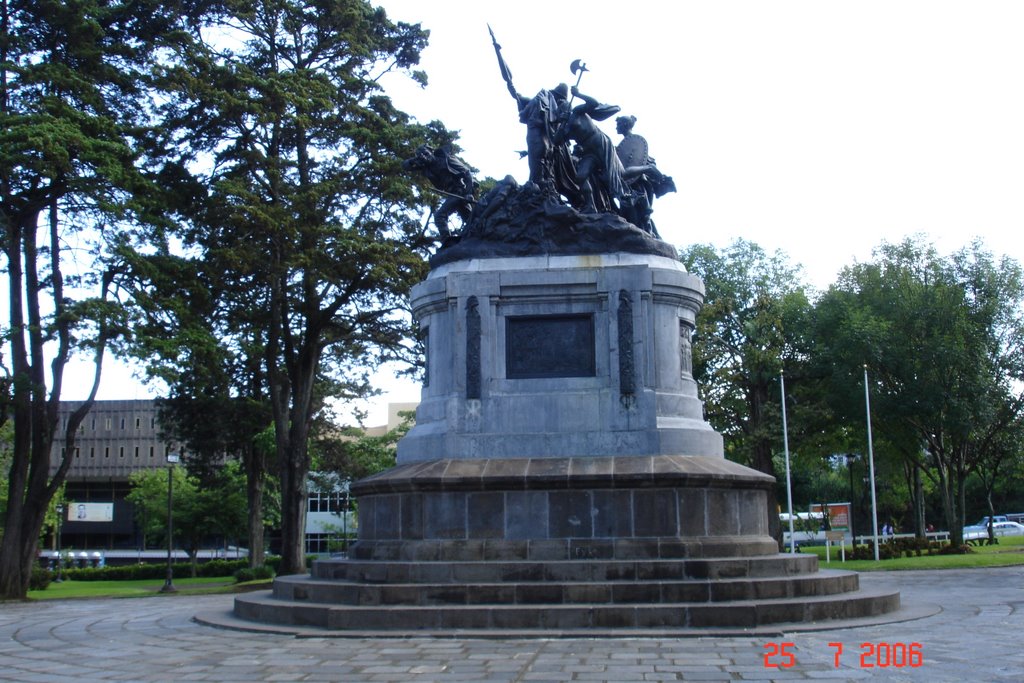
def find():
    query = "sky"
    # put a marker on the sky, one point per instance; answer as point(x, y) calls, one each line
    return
point(818, 128)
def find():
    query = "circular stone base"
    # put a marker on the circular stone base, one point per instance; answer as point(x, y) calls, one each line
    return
point(564, 508)
point(628, 543)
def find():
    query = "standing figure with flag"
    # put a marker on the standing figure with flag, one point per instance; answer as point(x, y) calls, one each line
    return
point(551, 164)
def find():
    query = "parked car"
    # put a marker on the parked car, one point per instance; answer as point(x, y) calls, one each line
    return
point(995, 519)
point(978, 534)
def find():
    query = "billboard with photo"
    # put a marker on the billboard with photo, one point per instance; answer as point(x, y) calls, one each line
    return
point(90, 512)
point(838, 515)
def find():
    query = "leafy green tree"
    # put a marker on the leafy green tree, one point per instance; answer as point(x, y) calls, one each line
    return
point(357, 455)
point(750, 329)
point(204, 348)
point(996, 463)
point(6, 435)
point(301, 229)
point(203, 510)
point(72, 133)
point(943, 342)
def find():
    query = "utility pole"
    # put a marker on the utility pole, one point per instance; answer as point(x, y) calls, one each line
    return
point(172, 459)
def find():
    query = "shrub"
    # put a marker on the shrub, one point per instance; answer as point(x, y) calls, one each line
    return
point(956, 550)
point(40, 579)
point(180, 570)
point(264, 572)
point(893, 548)
point(221, 567)
point(245, 574)
point(254, 573)
point(275, 561)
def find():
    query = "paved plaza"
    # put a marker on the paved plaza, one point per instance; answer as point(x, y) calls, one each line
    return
point(977, 635)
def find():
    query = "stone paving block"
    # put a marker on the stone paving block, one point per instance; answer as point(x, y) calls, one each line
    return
point(548, 550)
point(567, 617)
point(624, 616)
point(539, 593)
point(494, 594)
point(505, 550)
point(591, 549)
point(486, 514)
point(655, 514)
point(526, 515)
point(569, 571)
point(636, 592)
point(444, 515)
point(569, 514)
point(587, 592)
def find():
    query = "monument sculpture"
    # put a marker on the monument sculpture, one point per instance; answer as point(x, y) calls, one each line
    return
point(560, 475)
point(451, 177)
point(599, 172)
point(643, 178)
point(551, 165)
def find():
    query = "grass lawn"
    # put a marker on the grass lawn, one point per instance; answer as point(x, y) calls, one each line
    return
point(1010, 551)
point(141, 587)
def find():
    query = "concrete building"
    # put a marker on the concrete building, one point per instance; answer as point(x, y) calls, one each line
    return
point(118, 438)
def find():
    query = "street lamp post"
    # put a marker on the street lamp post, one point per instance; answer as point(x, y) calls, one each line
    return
point(172, 459)
point(871, 465)
point(344, 522)
point(789, 484)
point(60, 555)
point(849, 466)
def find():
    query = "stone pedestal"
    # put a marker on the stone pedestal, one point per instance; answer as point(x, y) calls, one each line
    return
point(559, 356)
point(561, 475)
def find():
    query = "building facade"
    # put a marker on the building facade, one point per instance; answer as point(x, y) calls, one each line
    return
point(116, 439)
point(120, 437)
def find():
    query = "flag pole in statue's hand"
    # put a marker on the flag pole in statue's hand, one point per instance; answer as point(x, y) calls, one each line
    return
point(506, 74)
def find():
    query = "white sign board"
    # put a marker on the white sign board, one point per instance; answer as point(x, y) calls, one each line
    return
point(90, 512)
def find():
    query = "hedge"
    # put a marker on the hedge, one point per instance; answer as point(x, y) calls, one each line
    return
point(180, 570)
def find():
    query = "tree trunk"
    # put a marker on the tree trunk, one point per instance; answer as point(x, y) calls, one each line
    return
point(991, 517)
point(291, 398)
point(255, 481)
point(761, 455)
point(920, 526)
point(31, 488)
point(948, 497)
point(293, 518)
point(295, 471)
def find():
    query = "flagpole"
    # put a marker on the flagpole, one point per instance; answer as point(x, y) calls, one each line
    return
point(871, 464)
point(785, 444)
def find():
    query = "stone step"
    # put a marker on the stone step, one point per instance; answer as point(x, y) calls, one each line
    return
point(303, 588)
point(681, 615)
point(548, 549)
point(561, 571)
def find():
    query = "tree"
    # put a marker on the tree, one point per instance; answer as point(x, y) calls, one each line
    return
point(943, 342)
point(203, 510)
point(1005, 448)
point(294, 207)
point(217, 404)
point(72, 108)
point(357, 455)
point(215, 428)
point(6, 436)
point(749, 330)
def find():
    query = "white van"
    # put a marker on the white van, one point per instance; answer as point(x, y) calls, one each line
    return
point(808, 527)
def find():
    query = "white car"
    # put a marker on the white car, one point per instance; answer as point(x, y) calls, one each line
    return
point(979, 534)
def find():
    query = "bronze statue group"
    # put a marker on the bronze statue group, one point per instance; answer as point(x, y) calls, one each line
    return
point(570, 159)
